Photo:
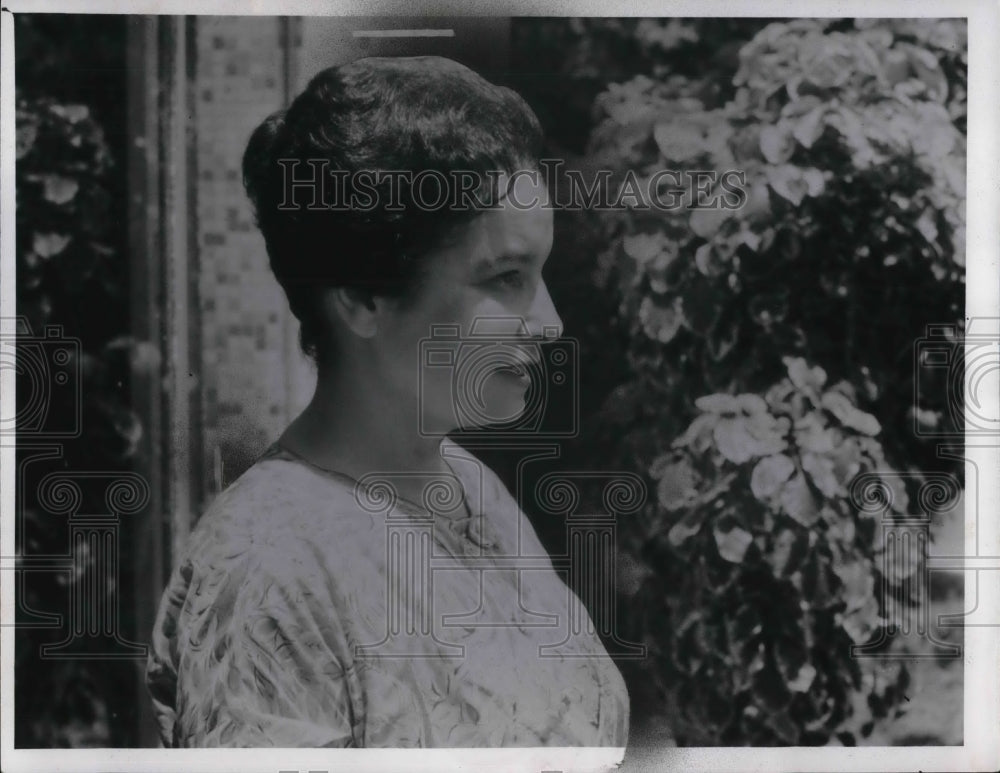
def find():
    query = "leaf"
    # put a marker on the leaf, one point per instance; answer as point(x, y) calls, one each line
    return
point(661, 323)
point(814, 180)
point(769, 474)
point(803, 680)
point(928, 420)
point(852, 128)
point(895, 67)
point(709, 260)
point(776, 143)
point(927, 69)
point(767, 432)
point(59, 189)
point(71, 113)
point(861, 623)
point(848, 415)
point(718, 403)
point(751, 403)
point(801, 106)
point(677, 485)
point(26, 135)
point(847, 461)
point(659, 465)
point(745, 143)
point(707, 221)
point(679, 141)
point(779, 396)
point(696, 435)
point(803, 377)
point(928, 229)
point(657, 270)
point(840, 528)
point(47, 245)
point(810, 127)
point(830, 61)
point(129, 429)
point(750, 239)
point(821, 470)
point(798, 501)
point(643, 247)
point(786, 180)
point(858, 583)
point(685, 528)
point(811, 434)
point(732, 544)
point(734, 441)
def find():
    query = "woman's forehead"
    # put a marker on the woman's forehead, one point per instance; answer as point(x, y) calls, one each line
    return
point(520, 230)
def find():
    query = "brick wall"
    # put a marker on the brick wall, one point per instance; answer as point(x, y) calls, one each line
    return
point(252, 377)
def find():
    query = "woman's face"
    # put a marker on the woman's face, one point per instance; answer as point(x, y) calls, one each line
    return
point(462, 341)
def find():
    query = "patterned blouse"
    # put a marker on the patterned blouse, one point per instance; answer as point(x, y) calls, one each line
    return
point(310, 609)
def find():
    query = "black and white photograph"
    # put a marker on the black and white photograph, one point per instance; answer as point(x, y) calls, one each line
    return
point(494, 387)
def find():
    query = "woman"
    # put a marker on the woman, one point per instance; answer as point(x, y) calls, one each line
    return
point(296, 618)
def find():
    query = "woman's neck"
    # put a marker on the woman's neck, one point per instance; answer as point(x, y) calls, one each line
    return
point(354, 426)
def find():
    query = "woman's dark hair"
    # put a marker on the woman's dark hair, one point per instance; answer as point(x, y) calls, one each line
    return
point(376, 115)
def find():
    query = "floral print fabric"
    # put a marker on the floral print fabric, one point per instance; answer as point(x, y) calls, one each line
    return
point(308, 611)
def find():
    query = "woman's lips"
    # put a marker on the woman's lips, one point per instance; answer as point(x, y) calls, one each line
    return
point(520, 369)
point(517, 372)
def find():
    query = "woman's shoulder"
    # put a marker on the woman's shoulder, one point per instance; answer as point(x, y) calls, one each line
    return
point(279, 503)
point(280, 530)
point(280, 557)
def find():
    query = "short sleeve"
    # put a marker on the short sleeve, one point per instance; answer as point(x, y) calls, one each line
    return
point(248, 650)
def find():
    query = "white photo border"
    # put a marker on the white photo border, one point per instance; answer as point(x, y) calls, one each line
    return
point(981, 749)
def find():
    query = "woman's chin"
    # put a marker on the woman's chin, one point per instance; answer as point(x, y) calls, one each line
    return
point(505, 402)
point(498, 414)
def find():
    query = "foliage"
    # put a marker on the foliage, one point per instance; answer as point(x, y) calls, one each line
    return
point(793, 313)
point(774, 567)
point(70, 273)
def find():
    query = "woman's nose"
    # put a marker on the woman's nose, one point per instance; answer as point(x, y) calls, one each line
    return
point(543, 319)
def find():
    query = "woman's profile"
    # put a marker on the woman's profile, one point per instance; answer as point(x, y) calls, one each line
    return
point(300, 614)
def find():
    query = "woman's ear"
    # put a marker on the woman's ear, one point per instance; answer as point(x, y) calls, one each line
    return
point(356, 308)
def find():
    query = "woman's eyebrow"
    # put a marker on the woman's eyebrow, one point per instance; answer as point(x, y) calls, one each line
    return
point(501, 261)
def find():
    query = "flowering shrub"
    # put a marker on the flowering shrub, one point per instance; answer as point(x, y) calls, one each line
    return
point(768, 355)
point(68, 274)
point(774, 569)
